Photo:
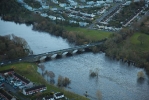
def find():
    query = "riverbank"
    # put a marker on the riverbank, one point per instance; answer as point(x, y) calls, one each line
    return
point(130, 46)
point(29, 70)
point(46, 25)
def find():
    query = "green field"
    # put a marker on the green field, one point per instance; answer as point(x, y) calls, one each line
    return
point(29, 70)
point(136, 44)
point(94, 35)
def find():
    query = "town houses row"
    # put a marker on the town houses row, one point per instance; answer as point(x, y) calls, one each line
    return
point(75, 11)
point(20, 82)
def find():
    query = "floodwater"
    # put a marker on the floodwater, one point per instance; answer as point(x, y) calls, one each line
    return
point(115, 81)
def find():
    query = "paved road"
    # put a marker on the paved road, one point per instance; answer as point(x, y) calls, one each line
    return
point(32, 57)
point(116, 5)
point(13, 91)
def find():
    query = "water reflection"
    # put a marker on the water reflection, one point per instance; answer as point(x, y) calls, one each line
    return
point(140, 80)
point(116, 80)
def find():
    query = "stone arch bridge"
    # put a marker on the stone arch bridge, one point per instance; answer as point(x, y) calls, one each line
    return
point(54, 54)
point(64, 52)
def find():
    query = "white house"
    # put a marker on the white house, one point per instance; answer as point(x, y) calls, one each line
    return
point(52, 17)
point(90, 2)
point(34, 89)
point(48, 98)
point(58, 95)
point(109, 1)
point(55, 1)
point(127, 3)
point(62, 4)
point(23, 79)
point(83, 23)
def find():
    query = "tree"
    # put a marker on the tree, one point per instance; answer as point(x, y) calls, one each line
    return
point(94, 73)
point(42, 67)
point(60, 81)
point(141, 75)
point(51, 75)
point(63, 81)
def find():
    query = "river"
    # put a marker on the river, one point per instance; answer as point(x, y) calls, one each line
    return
point(115, 81)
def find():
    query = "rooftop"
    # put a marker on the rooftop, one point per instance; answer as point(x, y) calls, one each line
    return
point(35, 87)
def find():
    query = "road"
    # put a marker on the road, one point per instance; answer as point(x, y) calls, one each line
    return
point(112, 9)
point(13, 91)
point(31, 58)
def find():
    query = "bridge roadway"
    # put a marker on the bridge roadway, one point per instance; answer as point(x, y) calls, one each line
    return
point(58, 54)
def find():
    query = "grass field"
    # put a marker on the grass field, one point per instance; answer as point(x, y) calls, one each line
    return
point(136, 44)
point(90, 34)
point(29, 70)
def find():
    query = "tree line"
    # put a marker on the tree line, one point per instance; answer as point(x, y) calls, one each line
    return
point(12, 47)
point(19, 14)
point(119, 46)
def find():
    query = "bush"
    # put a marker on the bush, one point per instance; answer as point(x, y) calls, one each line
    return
point(141, 75)
point(63, 82)
point(94, 73)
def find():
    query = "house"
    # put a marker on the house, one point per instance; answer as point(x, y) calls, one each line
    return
point(109, 1)
point(55, 1)
point(62, 4)
point(83, 24)
point(90, 2)
point(118, 0)
point(6, 96)
point(48, 98)
point(52, 17)
point(23, 79)
point(35, 89)
point(127, 3)
point(58, 95)
point(8, 71)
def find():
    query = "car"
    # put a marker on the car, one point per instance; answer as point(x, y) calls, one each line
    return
point(2, 63)
point(20, 59)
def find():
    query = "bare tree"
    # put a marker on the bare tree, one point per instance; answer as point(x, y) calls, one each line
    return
point(42, 67)
point(45, 73)
point(51, 75)
point(63, 81)
point(94, 72)
point(141, 75)
point(60, 81)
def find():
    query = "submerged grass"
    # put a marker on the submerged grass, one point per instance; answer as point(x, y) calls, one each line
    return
point(29, 70)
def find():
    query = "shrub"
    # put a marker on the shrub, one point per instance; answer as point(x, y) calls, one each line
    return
point(63, 82)
point(94, 73)
point(141, 75)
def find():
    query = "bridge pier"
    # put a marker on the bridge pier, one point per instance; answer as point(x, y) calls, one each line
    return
point(69, 54)
point(47, 58)
point(88, 49)
point(79, 52)
point(58, 56)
